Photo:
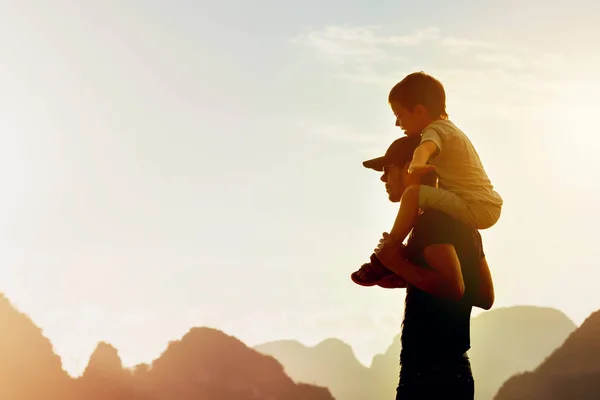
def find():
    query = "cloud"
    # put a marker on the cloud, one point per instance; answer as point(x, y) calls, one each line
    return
point(365, 36)
point(370, 55)
point(508, 61)
point(340, 132)
point(366, 44)
point(513, 84)
point(472, 69)
point(459, 45)
point(366, 74)
point(337, 131)
point(360, 44)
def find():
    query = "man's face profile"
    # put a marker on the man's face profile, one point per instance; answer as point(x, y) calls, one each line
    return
point(394, 179)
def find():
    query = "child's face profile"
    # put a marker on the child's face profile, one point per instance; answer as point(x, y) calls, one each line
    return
point(411, 122)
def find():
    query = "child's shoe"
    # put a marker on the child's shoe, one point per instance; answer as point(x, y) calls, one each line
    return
point(370, 273)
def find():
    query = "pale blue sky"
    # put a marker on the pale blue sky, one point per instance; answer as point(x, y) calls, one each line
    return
point(171, 164)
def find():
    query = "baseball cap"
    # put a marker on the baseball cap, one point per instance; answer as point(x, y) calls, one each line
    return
point(400, 152)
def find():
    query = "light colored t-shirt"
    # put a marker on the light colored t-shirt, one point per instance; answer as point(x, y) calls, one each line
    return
point(458, 165)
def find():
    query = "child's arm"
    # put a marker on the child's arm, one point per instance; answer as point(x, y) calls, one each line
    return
point(422, 154)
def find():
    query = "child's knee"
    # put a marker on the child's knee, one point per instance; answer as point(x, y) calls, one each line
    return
point(412, 191)
point(411, 195)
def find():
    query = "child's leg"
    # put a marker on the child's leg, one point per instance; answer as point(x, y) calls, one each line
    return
point(475, 215)
point(407, 214)
point(485, 215)
point(370, 273)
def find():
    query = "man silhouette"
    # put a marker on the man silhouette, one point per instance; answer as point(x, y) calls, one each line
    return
point(445, 273)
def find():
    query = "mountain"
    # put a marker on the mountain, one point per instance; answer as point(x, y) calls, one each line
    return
point(331, 363)
point(571, 372)
point(385, 369)
point(105, 378)
point(29, 368)
point(504, 341)
point(204, 364)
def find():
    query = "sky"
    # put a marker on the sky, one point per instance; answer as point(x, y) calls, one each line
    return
point(191, 163)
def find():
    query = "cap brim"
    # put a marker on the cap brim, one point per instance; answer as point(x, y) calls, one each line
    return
point(376, 163)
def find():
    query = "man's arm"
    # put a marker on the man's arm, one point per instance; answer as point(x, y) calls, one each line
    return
point(443, 278)
point(484, 297)
point(392, 282)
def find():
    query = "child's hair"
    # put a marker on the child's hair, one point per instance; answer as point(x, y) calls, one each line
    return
point(420, 88)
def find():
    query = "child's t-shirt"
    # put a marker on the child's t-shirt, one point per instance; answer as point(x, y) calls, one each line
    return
point(458, 165)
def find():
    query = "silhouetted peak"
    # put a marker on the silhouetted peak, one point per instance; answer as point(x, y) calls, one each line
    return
point(23, 341)
point(205, 363)
point(211, 349)
point(328, 349)
point(570, 372)
point(333, 343)
point(524, 315)
point(206, 336)
point(506, 341)
point(336, 348)
point(140, 370)
point(580, 352)
point(205, 345)
point(383, 360)
point(29, 368)
point(333, 346)
point(330, 363)
point(221, 366)
point(288, 344)
point(592, 320)
point(104, 361)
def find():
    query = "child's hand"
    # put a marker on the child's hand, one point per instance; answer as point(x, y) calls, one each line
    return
point(417, 171)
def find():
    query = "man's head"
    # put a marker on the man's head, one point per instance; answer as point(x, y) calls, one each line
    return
point(417, 100)
point(394, 165)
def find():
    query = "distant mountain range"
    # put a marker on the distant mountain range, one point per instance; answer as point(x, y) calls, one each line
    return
point(332, 363)
point(204, 364)
point(518, 353)
point(504, 341)
point(571, 372)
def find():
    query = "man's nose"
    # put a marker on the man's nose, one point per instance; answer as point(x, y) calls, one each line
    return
point(383, 178)
point(398, 121)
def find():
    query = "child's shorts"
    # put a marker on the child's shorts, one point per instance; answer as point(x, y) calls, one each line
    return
point(478, 215)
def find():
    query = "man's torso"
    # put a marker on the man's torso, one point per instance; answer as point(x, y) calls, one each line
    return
point(436, 328)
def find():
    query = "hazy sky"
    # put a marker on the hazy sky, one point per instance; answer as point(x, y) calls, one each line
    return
point(169, 164)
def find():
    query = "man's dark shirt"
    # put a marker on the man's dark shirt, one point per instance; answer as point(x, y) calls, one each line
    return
point(436, 328)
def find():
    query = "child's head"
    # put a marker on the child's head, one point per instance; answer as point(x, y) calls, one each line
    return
point(417, 100)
